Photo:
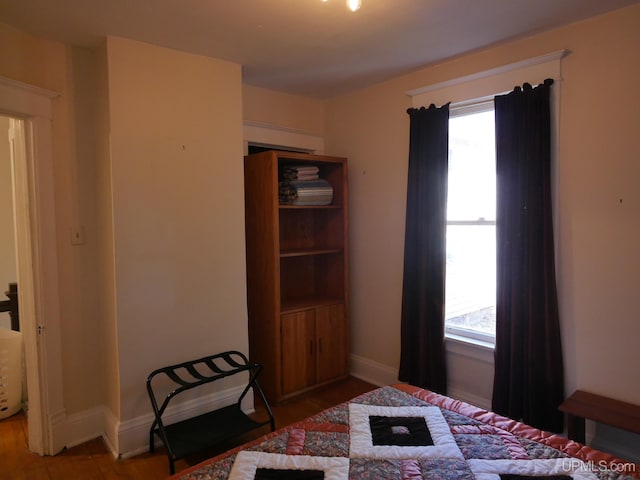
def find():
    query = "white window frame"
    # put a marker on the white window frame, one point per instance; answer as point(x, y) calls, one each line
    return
point(470, 107)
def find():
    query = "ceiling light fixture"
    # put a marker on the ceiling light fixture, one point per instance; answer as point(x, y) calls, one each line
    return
point(353, 5)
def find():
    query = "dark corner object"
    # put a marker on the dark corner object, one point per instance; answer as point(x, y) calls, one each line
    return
point(582, 405)
point(194, 435)
point(11, 306)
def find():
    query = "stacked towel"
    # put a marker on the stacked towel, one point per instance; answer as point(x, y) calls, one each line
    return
point(305, 192)
point(300, 172)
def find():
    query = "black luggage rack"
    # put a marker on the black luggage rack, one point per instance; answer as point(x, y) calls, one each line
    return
point(196, 434)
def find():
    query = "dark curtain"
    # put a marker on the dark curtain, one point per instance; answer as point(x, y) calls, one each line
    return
point(422, 358)
point(528, 382)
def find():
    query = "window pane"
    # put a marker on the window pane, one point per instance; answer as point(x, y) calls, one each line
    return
point(470, 300)
point(471, 249)
point(472, 167)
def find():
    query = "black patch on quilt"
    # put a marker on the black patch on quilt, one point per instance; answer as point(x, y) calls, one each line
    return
point(400, 431)
point(281, 474)
point(513, 476)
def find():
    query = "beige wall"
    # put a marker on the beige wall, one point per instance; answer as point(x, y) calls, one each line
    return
point(598, 258)
point(81, 300)
point(105, 268)
point(7, 231)
point(284, 110)
point(370, 128)
point(178, 210)
point(28, 58)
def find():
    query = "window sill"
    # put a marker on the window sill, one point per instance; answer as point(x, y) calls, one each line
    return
point(469, 341)
point(469, 347)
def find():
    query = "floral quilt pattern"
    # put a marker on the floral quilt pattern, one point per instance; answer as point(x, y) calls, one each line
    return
point(476, 450)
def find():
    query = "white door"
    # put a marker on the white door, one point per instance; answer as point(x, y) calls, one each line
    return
point(28, 326)
point(30, 110)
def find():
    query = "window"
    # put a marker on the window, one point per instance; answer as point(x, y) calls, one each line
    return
point(471, 230)
point(470, 300)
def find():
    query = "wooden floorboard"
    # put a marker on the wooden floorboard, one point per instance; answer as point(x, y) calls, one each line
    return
point(93, 460)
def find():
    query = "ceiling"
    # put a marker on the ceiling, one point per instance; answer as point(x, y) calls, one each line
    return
point(305, 47)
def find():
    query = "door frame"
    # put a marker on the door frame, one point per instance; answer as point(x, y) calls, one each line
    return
point(37, 260)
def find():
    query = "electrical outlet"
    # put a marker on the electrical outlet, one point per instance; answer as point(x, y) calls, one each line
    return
point(77, 235)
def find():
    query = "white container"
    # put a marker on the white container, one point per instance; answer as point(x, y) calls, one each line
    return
point(10, 372)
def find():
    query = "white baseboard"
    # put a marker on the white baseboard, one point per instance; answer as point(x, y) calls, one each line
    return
point(110, 434)
point(373, 372)
point(84, 426)
point(469, 398)
point(380, 375)
point(131, 437)
point(58, 432)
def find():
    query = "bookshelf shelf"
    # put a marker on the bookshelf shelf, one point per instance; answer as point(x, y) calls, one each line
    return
point(312, 207)
point(304, 252)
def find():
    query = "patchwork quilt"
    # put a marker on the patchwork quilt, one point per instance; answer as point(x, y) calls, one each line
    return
point(405, 433)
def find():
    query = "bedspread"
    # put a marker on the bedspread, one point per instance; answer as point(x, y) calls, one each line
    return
point(402, 432)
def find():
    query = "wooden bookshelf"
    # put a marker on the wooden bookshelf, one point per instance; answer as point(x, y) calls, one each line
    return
point(297, 277)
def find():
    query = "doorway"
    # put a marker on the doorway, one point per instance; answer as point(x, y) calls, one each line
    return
point(8, 261)
point(17, 251)
point(29, 109)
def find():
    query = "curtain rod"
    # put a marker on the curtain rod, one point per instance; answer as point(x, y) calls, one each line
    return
point(557, 55)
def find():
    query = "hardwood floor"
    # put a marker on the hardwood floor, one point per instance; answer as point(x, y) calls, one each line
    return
point(93, 460)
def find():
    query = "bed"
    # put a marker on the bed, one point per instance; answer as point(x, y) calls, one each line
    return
point(407, 433)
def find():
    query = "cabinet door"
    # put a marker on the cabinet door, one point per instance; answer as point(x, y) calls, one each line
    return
point(298, 351)
point(331, 331)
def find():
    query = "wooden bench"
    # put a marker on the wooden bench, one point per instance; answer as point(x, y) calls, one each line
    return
point(582, 405)
point(194, 435)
